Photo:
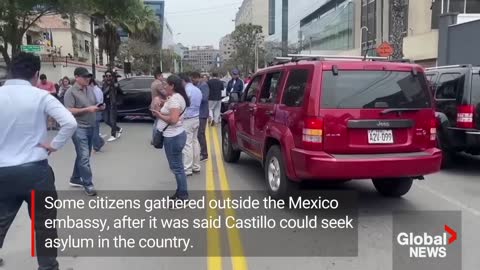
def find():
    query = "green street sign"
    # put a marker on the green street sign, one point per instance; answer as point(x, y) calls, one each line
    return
point(31, 48)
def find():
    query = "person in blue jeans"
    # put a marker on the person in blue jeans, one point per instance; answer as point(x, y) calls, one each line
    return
point(169, 120)
point(81, 102)
point(98, 141)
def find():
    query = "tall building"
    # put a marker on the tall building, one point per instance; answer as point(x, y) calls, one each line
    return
point(254, 12)
point(227, 48)
point(168, 37)
point(358, 27)
point(203, 58)
point(158, 6)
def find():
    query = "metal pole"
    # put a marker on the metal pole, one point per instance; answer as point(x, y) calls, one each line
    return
point(465, 6)
point(448, 6)
point(92, 48)
point(256, 53)
point(284, 27)
point(443, 4)
point(381, 20)
point(310, 44)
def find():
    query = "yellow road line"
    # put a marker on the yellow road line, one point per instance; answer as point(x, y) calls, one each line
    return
point(234, 239)
point(214, 260)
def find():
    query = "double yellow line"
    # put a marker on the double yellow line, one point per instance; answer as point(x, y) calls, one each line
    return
point(214, 261)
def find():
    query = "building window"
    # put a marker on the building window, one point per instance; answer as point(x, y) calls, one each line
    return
point(369, 20)
point(271, 17)
point(459, 6)
point(329, 28)
point(87, 46)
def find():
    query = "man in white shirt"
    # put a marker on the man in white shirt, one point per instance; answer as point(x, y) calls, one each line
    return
point(24, 148)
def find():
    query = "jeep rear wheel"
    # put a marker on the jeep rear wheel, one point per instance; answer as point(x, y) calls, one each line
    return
point(394, 187)
point(230, 155)
point(278, 184)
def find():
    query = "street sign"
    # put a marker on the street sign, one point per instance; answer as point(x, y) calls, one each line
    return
point(385, 50)
point(31, 48)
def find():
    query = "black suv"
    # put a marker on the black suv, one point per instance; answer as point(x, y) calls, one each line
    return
point(456, 90)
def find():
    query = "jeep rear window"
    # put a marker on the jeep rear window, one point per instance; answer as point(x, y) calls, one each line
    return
point(374, 89)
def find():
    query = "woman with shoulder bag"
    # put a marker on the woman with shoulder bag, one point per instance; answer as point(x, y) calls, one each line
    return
point(170, 131)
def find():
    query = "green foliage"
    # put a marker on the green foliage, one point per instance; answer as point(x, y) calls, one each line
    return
point(246, 38)
point(17, 16)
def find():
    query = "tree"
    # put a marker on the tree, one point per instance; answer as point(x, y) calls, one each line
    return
point(17, 16)
point(273, 49)
point(131, 15)
point(143, 54)
point(246, 37)
point(399, 12)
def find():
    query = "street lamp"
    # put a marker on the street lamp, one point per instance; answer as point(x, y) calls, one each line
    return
point(361, 37)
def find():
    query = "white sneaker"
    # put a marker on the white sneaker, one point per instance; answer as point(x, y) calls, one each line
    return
point(103, 136)
point(111, 139)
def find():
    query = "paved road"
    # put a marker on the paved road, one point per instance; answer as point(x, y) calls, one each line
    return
point(131, 164)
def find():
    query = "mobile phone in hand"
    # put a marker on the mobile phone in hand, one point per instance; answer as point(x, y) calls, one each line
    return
point(100, 105)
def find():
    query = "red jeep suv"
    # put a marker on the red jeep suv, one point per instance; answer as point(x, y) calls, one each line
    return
point(335, 119)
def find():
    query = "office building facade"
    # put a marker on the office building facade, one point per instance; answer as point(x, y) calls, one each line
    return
point(358, 27)
point(227, 48)
point(203, 58)
point(254, 12)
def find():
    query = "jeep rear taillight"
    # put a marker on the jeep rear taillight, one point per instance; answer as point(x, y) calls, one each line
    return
point(465, 116)
point(433, 129)
point(313, 133)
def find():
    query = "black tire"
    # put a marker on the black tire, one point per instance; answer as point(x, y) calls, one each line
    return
point(448, 156)
point(447, 159)
point(394, 187)
point(230, 155)
point(281, 187)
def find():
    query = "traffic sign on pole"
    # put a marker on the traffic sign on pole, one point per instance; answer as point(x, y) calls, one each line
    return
point(385, 50)
point(31, 48)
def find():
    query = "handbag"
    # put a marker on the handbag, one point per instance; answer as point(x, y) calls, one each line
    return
point(158, 137)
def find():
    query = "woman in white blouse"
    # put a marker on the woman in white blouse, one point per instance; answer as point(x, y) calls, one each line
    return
point(170, 122)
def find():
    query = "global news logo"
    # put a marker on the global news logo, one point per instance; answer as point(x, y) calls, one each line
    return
point(426, 245)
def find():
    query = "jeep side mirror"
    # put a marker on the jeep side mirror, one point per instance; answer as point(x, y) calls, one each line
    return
point(234, 97)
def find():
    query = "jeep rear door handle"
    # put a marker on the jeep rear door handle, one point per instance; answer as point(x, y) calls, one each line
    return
point(252, 109)
point(270, 113)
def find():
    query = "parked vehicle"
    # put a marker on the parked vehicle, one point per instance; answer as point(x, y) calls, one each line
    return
point(134, 97)
point(333, 119)
point(456, 91)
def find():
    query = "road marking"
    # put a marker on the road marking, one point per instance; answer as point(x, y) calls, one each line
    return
point(234, 239)
point(214, 260)
point(457, 203)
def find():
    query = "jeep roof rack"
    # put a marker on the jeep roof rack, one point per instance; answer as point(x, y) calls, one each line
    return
point(297, 57)
point(314, 57)
point(449, 66)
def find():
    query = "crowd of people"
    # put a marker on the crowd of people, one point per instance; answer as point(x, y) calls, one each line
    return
point(183, 105)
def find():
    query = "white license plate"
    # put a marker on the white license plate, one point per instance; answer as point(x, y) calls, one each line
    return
point(377, 136)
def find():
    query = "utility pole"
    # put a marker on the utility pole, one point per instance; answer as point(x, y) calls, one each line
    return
point(92, 48)
point(256, 52)
point(285, 27)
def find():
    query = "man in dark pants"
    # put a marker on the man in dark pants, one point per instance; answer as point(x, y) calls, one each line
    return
point(204, 113)
point(24, 150)
point(216, 87)
point(110, 90)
